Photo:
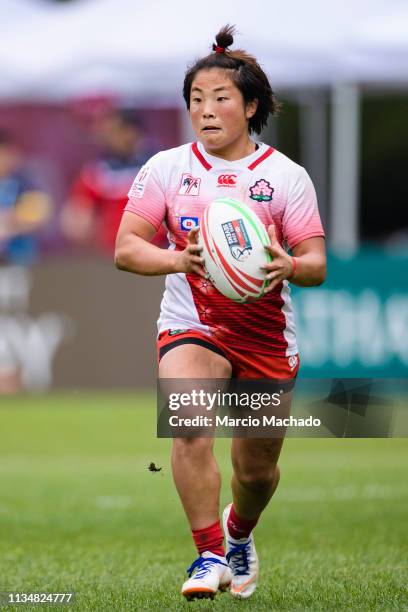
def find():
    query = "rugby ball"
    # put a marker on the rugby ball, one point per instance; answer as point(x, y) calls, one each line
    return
point(233, 239)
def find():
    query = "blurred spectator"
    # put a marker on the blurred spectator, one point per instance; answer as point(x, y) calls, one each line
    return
point(24, 208)
point(92, 214)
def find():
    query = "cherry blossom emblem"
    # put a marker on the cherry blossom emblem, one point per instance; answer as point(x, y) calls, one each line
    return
point(205, 285)
point(261, 191)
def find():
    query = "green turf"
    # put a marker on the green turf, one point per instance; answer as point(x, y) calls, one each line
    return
point(80, 511)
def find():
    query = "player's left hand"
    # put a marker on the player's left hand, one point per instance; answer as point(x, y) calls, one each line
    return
point(281, 267)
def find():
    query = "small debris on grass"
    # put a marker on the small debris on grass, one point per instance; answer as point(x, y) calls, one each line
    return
point(152, 468)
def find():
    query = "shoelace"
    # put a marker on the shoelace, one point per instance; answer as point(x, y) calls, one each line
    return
point(238, 559)
point(203, 565)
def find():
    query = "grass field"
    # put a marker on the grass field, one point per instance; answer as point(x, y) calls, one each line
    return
point(80, 511)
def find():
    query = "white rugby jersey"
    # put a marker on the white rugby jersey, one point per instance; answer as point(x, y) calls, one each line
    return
point(175, 186)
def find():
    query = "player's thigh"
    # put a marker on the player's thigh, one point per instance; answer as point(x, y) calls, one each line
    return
point(192, 361)
point(186, 369)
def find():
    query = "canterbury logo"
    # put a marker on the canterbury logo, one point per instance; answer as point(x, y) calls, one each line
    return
point(227, 180)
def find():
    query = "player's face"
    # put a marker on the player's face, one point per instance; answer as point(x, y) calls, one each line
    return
point(219, 115)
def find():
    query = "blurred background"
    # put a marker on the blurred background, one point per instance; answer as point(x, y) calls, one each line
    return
point(90, 89)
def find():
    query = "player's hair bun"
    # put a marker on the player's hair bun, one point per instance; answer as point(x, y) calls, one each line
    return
point(244, 71)
point(224, 38)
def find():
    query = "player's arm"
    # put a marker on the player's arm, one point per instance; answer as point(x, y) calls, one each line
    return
point(302, 230)
point(134, 253)
point(310, 262)
point(306, 268)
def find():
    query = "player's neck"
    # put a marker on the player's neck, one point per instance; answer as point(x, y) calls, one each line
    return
point(234, 151)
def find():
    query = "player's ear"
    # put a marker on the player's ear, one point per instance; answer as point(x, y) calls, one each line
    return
point(251, 108)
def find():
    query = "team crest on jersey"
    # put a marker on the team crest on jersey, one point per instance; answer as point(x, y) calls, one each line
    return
point(261, 191)
point(237, 239)
point(139, 184)
point(190, 185)
point(187, 223)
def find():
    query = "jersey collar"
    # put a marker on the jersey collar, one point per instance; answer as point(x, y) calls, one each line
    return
point(251, 161)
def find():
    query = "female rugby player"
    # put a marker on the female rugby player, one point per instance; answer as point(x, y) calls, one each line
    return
point(203, 334)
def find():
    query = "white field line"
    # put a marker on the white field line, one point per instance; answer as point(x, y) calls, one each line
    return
point(314, 494)
point(344, 493)
point(111, 502)
point(103, 502)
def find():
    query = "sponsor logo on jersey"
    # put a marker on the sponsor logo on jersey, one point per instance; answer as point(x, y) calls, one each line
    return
point(292, 361)
point(175, 332)
point(187, 223)
point(227, 180)
point(261, 191)
point(237, 239)
point(139, 184)
point(190, 185)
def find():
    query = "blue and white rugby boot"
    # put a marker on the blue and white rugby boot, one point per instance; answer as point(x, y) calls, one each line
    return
point(243, 561)
point(207, 575)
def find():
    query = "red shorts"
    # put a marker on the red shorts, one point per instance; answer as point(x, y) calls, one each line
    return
point(244, 365)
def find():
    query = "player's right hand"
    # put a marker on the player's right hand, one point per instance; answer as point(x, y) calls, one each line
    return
point(190, 260)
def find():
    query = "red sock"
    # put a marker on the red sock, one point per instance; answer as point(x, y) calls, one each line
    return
point(210, 538)
point(238, 527)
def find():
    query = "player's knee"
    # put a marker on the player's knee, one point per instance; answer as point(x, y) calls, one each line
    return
point(256, 478)
point(187, 447)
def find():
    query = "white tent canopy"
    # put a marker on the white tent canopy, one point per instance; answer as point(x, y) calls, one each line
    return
point(140, 48)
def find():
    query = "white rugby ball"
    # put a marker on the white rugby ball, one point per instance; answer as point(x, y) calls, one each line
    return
point(233, 240)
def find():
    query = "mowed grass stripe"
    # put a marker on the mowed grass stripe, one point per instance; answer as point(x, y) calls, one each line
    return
point(80, 510)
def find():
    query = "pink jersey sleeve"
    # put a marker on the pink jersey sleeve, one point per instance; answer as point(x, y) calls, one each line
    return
point(147, 194)
point(301, 219)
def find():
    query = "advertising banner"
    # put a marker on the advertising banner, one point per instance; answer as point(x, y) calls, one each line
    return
point(80, 323)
